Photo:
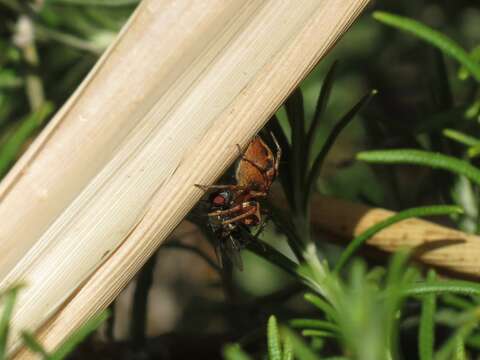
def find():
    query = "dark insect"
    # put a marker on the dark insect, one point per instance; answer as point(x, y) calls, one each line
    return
point(231, 237)
point(235, 208)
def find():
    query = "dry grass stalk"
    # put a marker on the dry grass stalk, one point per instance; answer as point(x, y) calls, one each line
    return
point(113, 173)
point(432, 244)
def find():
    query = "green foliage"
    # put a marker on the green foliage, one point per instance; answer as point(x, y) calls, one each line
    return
point(9, 297)
point(435, 38)
point(298, 181)
point(27, 127)
point(282, 344)
point(301, 350)
point(303, 174)
point(234, 352)
point(461, 137)
point(426, 338)
point(445, 286)
point(77, 337)
point(363, 314)
point(115, 3)
point(419, 157)
point(463, 72)
point(358, 306)
point(34, 346)
point(454, 348)
point(273, 335)
point(8, 302)
point(337, 129)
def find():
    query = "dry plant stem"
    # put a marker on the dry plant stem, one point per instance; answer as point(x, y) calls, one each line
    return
point(25, 40)
point(432, 244)
point(34, 84)
point(164, 109)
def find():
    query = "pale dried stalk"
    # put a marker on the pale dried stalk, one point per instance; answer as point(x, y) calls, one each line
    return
point(113, 173)
point(432, 244)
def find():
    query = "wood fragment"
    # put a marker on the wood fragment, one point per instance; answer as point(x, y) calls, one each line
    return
point(435, 245)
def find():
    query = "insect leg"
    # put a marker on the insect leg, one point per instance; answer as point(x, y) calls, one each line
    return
point(233, 252)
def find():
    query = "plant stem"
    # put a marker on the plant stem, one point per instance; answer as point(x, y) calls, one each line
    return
point(140, 303)
point(34, 86)
point(25, 40)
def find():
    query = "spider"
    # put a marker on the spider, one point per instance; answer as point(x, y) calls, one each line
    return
point(255, 173)
point(234, 208)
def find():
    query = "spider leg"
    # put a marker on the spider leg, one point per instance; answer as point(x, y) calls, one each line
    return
point(227, 211)
point(255, 194)
point(257, 212)
point(219, 187)
point(260, 229)
point(278, 155)
point(251, 162)
point(241, 153)
point(250, 212)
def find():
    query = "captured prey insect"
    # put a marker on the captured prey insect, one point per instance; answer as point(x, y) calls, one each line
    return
point(234, 209)
point(231, 237)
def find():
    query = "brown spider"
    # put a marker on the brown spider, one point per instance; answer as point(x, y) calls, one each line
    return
point(234, 208)
point(255, 173)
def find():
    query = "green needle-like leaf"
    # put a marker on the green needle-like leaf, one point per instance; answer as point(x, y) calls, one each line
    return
point(453, 348)
point(287, 347)
point(324, 306)
point(457, 301)
point(274, 256)
point(420, 157)
point(441, 85)
point(460, 353)
point(444, 287)
point(139, 316)
point(301, 350)
point(461, 137)
point(113, 3)
point(313, 324)
point(285, 174)
point(403, 215)
point(322, 102)
point(435, 38)
point(12, 146)
point(426, 339)
point(318, 333)
point(332, 137)
point(474, 151)
point(273, 337)
point(235, 352)
point(463, 73)
point(78, 336)
point(296, 117)
point(9, 298)
point(34, 346)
